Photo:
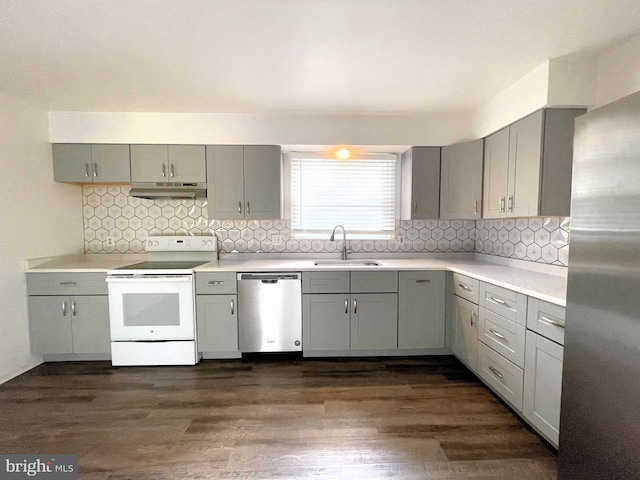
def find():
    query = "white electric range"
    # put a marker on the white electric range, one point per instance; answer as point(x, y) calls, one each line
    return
point(152, 304)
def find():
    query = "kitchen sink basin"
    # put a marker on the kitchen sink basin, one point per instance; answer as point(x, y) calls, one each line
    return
point(346, 263)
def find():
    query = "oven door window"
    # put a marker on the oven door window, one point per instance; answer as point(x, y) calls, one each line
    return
point(153, 309)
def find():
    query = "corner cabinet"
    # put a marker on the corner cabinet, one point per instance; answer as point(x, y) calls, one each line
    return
point(528, 166)
point(69, 315)
point(464, 338)
point(168, 163)
point(461, 181)
point(420, 183)
point(421, 310)
point(243, 181)
point(84, 163)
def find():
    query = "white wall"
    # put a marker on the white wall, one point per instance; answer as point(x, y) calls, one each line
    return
point(31, 205)
point(618, 71)
point(291, 129)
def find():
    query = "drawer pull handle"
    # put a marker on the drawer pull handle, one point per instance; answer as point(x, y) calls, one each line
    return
point(423, 281)
point(233, 307)
point(548, 321)
point(216, 282)
point(68, 283)
point(464, 287)
point(346, 305)
point(64, 309)
point(496, 372)
point(499, 301)
point(499, 335)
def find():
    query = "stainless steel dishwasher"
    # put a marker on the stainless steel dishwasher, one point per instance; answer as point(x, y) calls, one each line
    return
point(270, 312)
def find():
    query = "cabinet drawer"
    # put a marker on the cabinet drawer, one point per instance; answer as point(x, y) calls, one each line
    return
point(466, 287)
point(325, 282)
point(502, 335)
point(374, 282)
point(216, 282)
point(72, 283)
point(505, 302)
point(547, 319)
point(502, 375)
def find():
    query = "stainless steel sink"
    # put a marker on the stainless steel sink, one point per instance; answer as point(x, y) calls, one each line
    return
point(346, 263)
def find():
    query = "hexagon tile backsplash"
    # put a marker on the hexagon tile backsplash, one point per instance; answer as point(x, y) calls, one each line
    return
point(110, 212)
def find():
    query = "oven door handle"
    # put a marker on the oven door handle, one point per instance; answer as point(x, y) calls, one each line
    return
point(150, 279)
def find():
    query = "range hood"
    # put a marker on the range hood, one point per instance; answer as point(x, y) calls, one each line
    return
point(168, 190)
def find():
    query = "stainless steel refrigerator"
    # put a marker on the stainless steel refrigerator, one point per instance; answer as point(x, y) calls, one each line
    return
point(600, 413)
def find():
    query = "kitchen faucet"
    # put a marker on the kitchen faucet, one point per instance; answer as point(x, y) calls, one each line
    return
point(344, 238)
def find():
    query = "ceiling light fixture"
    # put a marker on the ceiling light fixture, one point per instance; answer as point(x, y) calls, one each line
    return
point(343, 153)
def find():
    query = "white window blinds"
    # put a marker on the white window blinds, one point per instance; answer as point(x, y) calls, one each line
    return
point(358, 193)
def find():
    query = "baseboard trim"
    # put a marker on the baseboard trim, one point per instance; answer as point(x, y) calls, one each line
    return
point(24, 368)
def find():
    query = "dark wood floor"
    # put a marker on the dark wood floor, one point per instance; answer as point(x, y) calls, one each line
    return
point(424, 418)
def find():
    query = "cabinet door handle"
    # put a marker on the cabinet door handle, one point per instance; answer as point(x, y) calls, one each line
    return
point(172, 172)
point(346, 305)
point(233, 307)
point(499, 335)
point(86, 170)
point(502, 204)
point(510, 203)
point(464, 287)
point(549, 321)
point(423, 281)
point(248, 208)
point(499, 301)
point(239, 208)
point(164, 170)
point(496, 372)
point(67, 283)
point(415, 208)
point(475, 206)
point(216, 282)
point(73, 308)
point(473, 315)
point(95, 170)
point(355, 305)
point(64, 308)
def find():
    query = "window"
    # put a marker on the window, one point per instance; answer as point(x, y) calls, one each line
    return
point(358, 193)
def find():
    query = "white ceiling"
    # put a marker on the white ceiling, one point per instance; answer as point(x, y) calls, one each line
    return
point(311, 56)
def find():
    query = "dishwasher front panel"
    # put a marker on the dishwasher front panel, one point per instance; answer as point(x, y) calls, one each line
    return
point(270, 312)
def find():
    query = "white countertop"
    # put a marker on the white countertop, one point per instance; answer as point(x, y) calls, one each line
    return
point(540, 281)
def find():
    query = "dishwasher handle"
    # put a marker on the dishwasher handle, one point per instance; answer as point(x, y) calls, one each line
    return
point(269, 277)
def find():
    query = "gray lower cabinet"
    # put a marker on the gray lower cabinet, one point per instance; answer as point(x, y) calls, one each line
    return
point(86, 163)
point(217, 320)
point(69, 324)
point(326, 321)
point(374, 321)
point(168, 163)
point(421, 310)
point(543, 385)
point(464, 340)
point(461, 180)
point(243, 181)
point(420, 183)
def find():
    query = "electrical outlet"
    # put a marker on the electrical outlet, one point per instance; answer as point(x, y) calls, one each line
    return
point(111, 241)
point(276, 239)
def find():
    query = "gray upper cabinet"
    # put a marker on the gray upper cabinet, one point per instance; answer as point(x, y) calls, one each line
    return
point(243, 181)
point(461, 181)
point(420, 183)
point(84, 163)
point(527, 170)
point(168, 163)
